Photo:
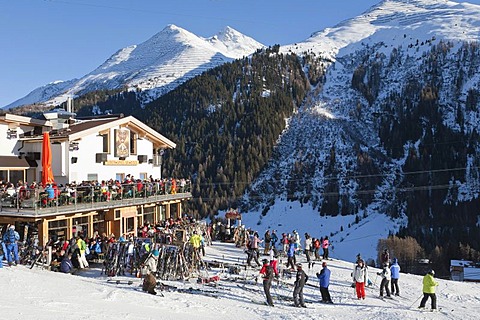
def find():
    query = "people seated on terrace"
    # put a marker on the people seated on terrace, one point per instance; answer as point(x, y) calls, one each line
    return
point(183, 183)
point(139, 185)
point(104, 191)
point(21, 191)
point(10, 190)
point(50, 193)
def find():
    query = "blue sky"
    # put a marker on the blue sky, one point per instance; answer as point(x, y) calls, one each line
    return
point(48, 40)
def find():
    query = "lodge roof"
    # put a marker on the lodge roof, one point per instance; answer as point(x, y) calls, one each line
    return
point(82, 128)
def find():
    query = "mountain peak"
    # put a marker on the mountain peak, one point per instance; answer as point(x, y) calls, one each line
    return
point(157, 65)
point(233, 42)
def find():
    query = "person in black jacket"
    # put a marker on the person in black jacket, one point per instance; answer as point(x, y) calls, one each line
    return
point(267, 239)
point(300, 281)
point(267, 272)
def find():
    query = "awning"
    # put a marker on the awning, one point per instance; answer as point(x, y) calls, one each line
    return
point(13, 162)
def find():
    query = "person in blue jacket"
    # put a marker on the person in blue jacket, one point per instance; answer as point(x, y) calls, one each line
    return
point(395, 270)
point(66, 266)
point(291, 261)
point(324, 278)
point(10, 238)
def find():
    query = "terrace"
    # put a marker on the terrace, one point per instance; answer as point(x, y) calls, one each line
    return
point(34, 203)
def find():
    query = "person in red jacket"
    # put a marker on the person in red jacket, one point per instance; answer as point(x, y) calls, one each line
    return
point(267, 272)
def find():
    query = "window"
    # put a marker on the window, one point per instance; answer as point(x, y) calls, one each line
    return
point(133, 142)
point(105, 142)
point(143, 176)
point(92, 176)
point(120, 177)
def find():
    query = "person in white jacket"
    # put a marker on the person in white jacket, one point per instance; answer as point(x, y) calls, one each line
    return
point(360, 276)
point(386, 276)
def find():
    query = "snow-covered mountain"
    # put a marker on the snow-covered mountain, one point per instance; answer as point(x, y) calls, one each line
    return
point(155, 66)
point(332, 157)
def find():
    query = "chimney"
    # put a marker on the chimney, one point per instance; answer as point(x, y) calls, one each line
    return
point(69, 105)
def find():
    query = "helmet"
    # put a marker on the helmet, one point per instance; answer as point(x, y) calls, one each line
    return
point(265, 261)
point(299, 265)
point(432, 272)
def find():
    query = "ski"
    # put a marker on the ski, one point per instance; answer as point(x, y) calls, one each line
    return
point(129, 282)
point(213, 294)
point(249, 289)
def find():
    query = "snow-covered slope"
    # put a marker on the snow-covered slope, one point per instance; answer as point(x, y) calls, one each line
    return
point(336, 129)
point(396, 23)
point(155, 66)
point(44, 295)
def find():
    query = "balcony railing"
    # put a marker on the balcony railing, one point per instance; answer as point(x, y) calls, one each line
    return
point(81, 197)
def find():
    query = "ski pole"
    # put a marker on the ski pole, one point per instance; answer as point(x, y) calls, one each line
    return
point(416, 300)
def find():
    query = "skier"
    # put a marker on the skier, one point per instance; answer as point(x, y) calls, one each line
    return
point(308, 248)
point(82, 260)
point(10, 238)
point(267, 238)
point(386, 276)
point(274, 238)
point(316, 248)
point(273, 255)
point(254, 242)
point(429, 285)
point(385, 256)
point(360, 276)
point(196, 242)
point(325, 245)
point(300, 281)
point(284, 242)
point(267, 272)
point(324, 279)
point(296, 239)
point(395, 270)
point(149, 267)
point(291, 255)
point(251, 252)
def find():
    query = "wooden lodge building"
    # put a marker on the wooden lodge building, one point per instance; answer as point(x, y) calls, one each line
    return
point(85, 150)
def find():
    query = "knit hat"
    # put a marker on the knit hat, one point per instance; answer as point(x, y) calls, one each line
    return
point(12, 227)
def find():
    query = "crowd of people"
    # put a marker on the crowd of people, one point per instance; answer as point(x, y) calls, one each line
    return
point(290, 245)
point(88, 191)
point(76, 253)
